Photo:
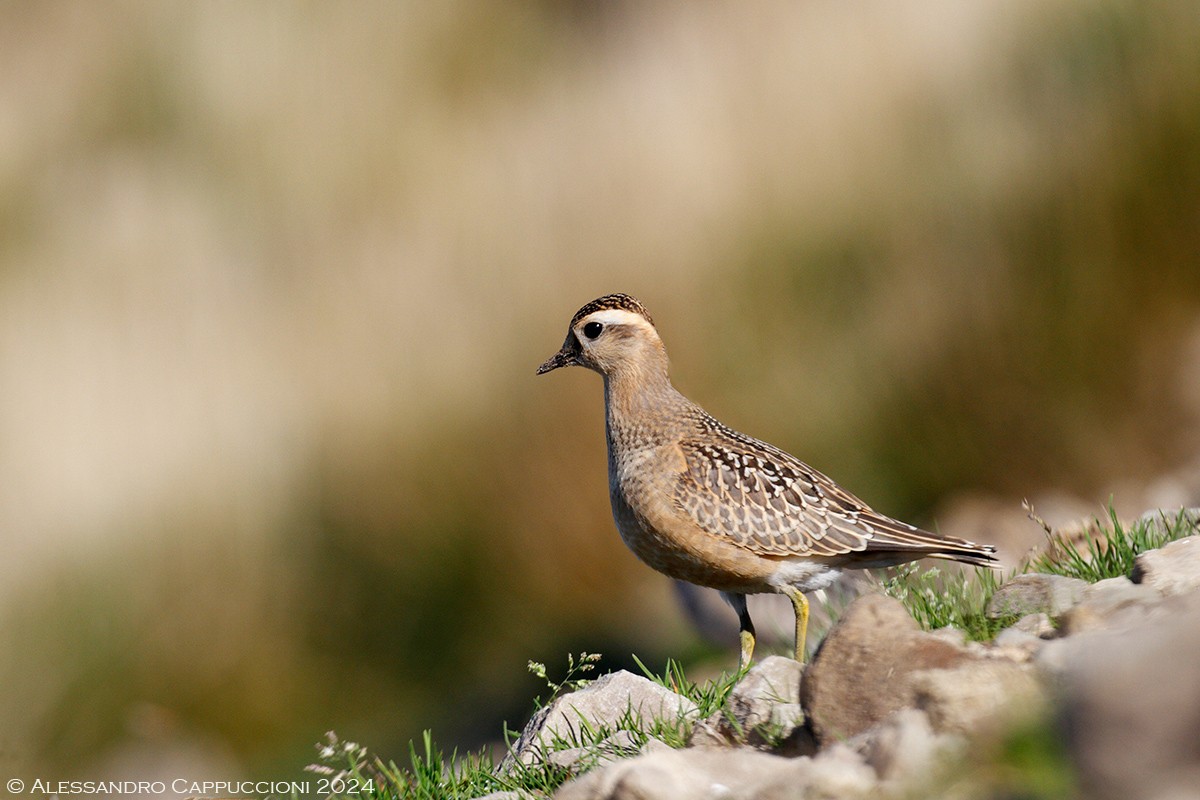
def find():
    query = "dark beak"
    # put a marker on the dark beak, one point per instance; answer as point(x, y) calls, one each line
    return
point(568, 356)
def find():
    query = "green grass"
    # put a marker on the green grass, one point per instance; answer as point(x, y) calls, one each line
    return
point(709, 696)
point(935, 598)
point(1113, 553)
point(350, 771)
point(958, 598)
point(431, 774)
point(954, 598)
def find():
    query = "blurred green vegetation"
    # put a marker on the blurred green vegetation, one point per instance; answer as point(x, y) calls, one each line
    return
point(274, 281)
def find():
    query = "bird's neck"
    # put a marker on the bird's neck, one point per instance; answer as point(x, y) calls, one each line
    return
point(639, 398)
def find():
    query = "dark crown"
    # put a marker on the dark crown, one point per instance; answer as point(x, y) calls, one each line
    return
point(622, 301)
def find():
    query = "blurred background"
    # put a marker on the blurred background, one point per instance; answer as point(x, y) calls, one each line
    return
point(274, 279)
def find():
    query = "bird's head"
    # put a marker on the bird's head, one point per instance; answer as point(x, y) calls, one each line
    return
point(611, 334)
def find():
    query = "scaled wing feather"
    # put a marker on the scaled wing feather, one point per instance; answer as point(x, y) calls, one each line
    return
point(771, 503)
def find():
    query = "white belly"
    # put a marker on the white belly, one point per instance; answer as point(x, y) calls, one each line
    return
point(807, 576)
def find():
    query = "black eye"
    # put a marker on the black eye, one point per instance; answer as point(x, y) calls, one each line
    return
point(592, 329)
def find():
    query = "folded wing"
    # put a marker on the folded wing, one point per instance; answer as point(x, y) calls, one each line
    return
point(760, 498)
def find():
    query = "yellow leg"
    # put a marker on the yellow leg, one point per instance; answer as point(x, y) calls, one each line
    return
point(738, 601)
point(800, 604)
point(747, 637)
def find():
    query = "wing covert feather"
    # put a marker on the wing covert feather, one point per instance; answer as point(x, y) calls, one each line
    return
point(771, 503)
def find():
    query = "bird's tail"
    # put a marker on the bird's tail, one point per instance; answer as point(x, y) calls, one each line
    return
point(979, 555)
point(892, 535)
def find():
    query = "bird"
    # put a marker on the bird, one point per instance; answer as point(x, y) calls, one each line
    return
point(700, 502)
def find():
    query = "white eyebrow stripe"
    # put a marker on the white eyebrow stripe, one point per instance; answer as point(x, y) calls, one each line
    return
point(614, 316)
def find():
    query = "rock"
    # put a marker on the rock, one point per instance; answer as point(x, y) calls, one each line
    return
point(1131, 705)
point(1051, 660)
point(1016, 644)
point(1034, 593)
point(711, 732)
point(763, 711)
point(1113, 601)
point(836, 773)
point(951, 635)
point(1112, 594)
point(621, 744)
point(1170, 570)
point(671, 774)
point(505, 796)
point(1164, 519)
point(605, 704)
point(773, 680)
point(862, 671)
point(905, 748)
point(980, 695)
point(1038, 625)
point(784, 732)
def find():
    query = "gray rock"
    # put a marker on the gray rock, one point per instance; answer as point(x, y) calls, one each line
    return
point(904, 748)
point(1170, 570)
point(1131, 704)
point(671, 774)
point(951, 635)
point(1024, 638)
point(1163, 519)
point(1051, 660)
point(605, 704)
point(1034, 593)
point(621, 744)
point(505, 796)
point(1038, 625)
point(1107, 603)
point(773, 680)
point(711, 732)
point(836, 773)
point(783, 732)
point(762, 711)
point(978, 696)
point(1113, 591)
point(1016, 644)
point(862, 672)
